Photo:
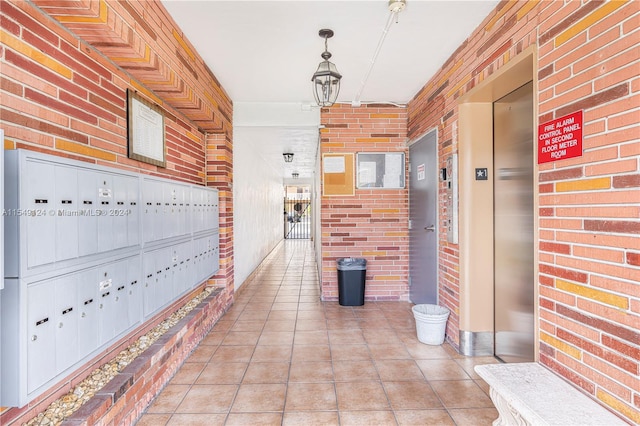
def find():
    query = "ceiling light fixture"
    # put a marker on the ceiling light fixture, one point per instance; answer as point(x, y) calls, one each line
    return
point(288, 157)
point(326, 79)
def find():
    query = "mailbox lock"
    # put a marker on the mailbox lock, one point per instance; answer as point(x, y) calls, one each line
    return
point(60, 325)
point(84, 314)
point(34, 338)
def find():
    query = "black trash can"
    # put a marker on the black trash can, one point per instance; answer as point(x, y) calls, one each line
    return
point(351, 278)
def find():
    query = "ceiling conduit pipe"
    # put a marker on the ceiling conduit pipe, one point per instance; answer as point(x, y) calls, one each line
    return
point(395, 7)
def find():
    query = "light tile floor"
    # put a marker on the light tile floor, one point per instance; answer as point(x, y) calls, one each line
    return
point(280, 356)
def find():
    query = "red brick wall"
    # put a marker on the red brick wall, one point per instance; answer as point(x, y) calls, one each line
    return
point(219, 175)
point(373, 223)
point(60, 96)
point(590, 206)
point(589, 251)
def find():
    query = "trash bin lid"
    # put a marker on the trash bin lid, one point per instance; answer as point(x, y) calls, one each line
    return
point(351, 264)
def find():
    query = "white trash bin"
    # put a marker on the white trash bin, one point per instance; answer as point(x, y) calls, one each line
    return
point(431, 323)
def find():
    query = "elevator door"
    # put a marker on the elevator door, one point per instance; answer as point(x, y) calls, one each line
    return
point(513, 217)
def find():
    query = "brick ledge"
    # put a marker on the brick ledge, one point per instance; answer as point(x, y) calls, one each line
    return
point(123, 400)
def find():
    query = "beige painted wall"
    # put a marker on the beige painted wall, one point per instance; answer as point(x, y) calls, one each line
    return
point(476, 197)
point(476, 217)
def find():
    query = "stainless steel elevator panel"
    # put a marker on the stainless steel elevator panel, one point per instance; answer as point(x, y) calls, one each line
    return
point(513, 216)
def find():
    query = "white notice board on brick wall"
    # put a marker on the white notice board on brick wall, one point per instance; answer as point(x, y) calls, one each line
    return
point(381, 170)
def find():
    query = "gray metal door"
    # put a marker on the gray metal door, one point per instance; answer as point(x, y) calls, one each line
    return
point(423, 232)
point(513, 228)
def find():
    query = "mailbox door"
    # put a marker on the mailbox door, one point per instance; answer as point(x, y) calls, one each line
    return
point(66, 212)
point(41, 359)
point(87, 285)
point(66, 322)
point(39, 196)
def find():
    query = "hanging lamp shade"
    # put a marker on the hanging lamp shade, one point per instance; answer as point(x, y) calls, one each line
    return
point(326, 79)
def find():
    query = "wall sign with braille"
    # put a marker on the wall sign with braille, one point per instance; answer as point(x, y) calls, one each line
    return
point(482, 173)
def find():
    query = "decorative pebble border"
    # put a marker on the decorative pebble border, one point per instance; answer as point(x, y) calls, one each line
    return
point(65, 406)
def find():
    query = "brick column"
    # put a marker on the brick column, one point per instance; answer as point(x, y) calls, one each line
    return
point(372, 223)
point(219, 174)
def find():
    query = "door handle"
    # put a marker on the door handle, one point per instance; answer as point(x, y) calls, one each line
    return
point(431, 228)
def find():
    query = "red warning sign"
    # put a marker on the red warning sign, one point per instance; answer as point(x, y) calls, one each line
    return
point(560, 138)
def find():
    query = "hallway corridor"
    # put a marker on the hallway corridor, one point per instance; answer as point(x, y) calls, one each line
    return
point(280, 356)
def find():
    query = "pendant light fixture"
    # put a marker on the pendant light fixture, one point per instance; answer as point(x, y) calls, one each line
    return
point(326, 79)
point(288, 157)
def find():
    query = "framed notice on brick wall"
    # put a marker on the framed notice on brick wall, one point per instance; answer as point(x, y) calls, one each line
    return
point(383, 170)
point(337, 175)
point(145, 122)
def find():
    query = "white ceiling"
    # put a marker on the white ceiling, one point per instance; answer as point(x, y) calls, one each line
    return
point(266, 51)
